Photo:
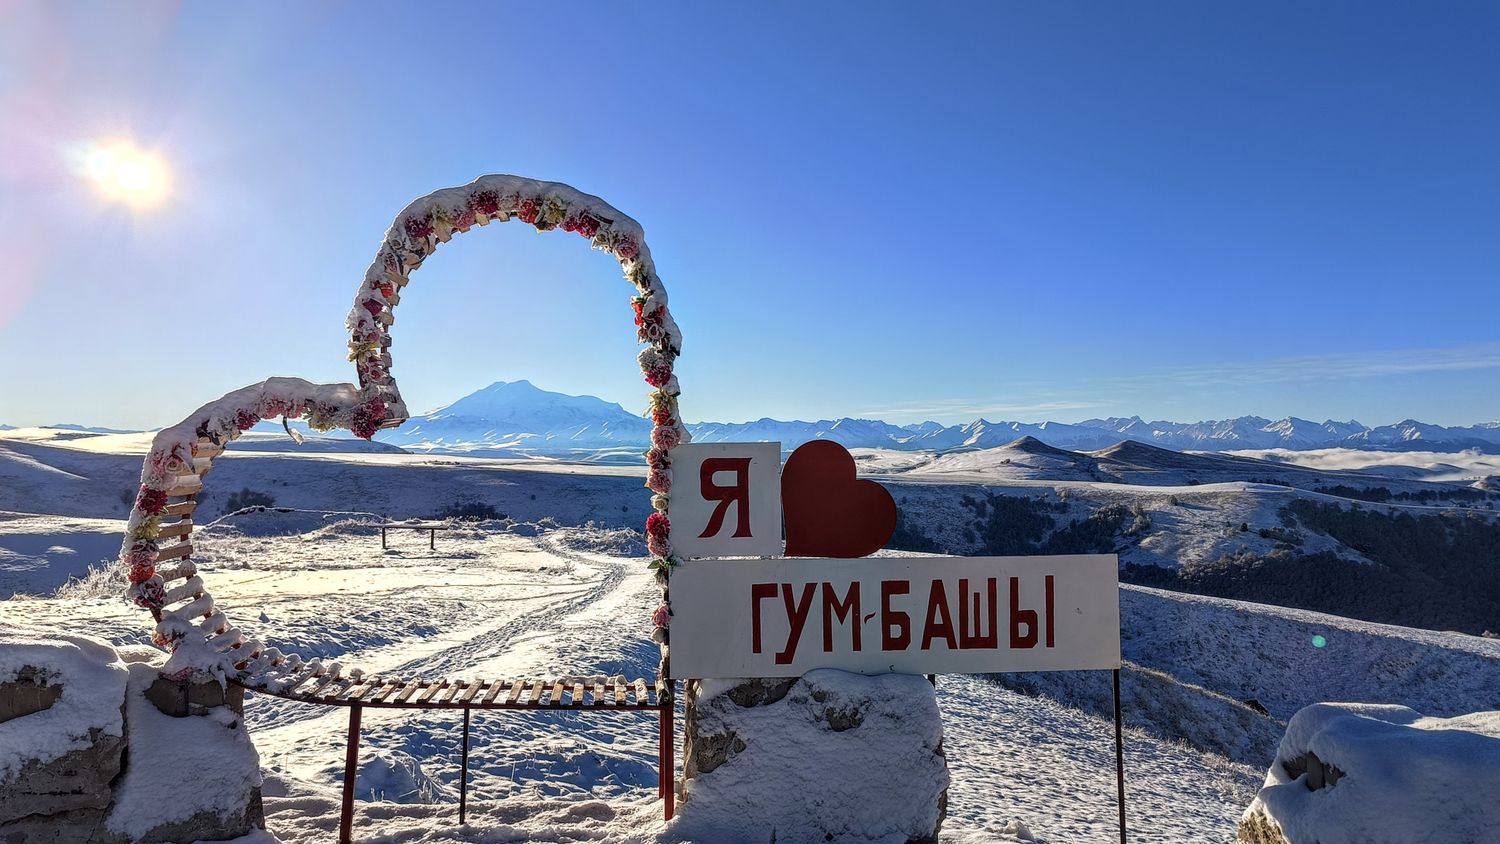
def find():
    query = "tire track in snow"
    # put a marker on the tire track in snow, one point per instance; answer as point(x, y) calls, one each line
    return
point(455, 661)
point(493, 642)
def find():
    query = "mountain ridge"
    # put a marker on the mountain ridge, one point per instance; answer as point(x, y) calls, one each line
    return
point(521, 415)
point(518, 415)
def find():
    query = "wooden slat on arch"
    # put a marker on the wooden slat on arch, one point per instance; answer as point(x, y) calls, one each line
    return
point(181, 508)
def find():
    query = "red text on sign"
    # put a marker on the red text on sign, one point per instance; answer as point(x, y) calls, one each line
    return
point(736, 493)
point(959, 619)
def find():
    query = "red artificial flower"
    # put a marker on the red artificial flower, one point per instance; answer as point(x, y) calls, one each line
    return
point(658, 525)
point(367, 418)
point(418, 228)
point(485, 202)
point(527, 209)
point(372, 306)
point(142, 552)
point(151, 501)
point(657, 459)
point(666, 436)
point(658, 547)
point(150, 595)
point(627, 249)
point(245, 420)
point(464, 221)
point(661, 416)
point(657, 480)
point(659, 375)
point(141, 572)
point(588, 226)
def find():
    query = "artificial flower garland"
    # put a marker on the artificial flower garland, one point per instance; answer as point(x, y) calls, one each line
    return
point(376, 403)
point(175, 451)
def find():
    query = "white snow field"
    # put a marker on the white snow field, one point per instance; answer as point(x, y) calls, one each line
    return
point(561, 587)
point(507, 599)
point(501, 598)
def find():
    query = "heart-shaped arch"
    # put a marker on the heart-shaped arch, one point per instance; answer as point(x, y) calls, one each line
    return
point(158, 551)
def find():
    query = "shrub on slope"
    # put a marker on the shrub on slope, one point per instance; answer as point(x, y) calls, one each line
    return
point(1439, 571)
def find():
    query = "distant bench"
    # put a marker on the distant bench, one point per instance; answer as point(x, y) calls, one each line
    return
point(431, 527)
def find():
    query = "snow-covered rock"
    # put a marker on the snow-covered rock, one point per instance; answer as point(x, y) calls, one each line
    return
point(1377, 774)
point(62, 732)
point(187, 779)
point(85, 756)
point(829, 756)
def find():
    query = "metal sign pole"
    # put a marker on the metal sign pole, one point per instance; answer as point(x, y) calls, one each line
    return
point(1119, 757)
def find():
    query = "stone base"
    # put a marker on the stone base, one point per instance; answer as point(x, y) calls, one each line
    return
point(1256, 828)
point(194, 697)
point(33, 690)
point(827, 757)
point(109, 789)
point(80, 780)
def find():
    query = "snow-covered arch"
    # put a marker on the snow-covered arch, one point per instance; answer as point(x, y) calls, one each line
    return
point(157, 552)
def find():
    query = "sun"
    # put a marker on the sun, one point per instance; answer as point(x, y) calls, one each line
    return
point(123, 172)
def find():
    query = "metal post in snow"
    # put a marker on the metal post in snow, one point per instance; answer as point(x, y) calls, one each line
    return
point(1119, 756)
point(463, 775)
point(351, 766)
point(671, 767)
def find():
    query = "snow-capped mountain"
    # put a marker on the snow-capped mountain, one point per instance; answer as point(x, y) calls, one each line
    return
point(519, 414)
point(1254, 432)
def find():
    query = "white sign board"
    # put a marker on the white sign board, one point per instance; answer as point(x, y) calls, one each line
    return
point(914, 615)
point(726, 500)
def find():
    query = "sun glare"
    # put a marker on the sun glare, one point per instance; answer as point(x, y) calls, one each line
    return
point(123, 172)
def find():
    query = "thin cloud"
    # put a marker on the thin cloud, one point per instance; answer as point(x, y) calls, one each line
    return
point(1291, 370)
point(1326, 367)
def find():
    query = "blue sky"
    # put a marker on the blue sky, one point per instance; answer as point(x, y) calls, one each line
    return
point(1019, 211)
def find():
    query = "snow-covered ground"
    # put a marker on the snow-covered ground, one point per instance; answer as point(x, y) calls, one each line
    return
point(502, 598)
point(560, 587)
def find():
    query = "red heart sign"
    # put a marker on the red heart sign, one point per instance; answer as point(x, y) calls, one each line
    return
point(828, 512)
